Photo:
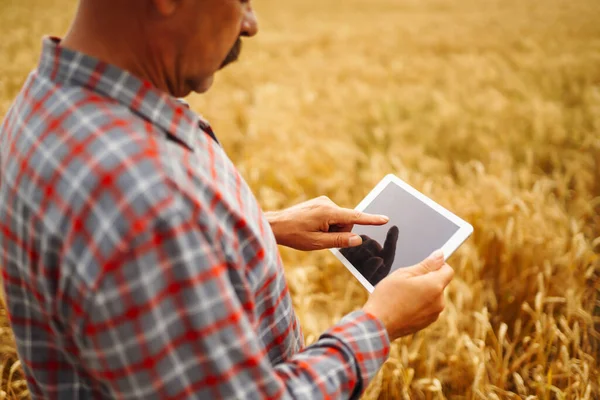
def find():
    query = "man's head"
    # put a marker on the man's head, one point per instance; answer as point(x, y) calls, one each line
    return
point(178, 45)
point(201, 36)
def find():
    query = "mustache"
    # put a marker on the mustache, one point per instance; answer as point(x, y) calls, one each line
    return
point(234, 53)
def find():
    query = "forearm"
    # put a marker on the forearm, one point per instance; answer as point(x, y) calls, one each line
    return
point(341, 364)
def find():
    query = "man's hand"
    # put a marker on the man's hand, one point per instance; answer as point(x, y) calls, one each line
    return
point(319, 224)
point(372, 260)
point(412, 298)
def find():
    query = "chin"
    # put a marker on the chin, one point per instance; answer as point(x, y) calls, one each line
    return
point(204, 84)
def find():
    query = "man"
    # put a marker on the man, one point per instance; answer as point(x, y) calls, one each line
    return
point(137, 264)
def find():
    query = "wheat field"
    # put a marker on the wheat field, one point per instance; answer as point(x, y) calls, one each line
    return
point(491, 107)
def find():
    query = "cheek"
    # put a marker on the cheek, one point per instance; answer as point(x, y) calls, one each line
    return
point(228, 30)
point(214, 36)
point(215, 50)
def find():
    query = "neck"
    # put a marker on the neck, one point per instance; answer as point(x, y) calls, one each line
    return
point(116, 39)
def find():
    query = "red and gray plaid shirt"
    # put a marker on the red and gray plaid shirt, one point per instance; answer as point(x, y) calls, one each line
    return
point(136, 262)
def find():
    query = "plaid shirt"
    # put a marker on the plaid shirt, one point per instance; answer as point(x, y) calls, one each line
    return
point(137, 264)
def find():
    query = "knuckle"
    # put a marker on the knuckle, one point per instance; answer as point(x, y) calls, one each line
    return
point(356, 214)
point(331, 208)
point(314, 244)
point(339, 241)
point(435, 289)
point(425, 266)
point(441, 305)
point(451, 273)
point(439, 287)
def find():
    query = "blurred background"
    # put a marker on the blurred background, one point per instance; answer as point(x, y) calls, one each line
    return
point(490, 107)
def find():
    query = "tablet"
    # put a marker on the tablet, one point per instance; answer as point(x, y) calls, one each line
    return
point(418, 226)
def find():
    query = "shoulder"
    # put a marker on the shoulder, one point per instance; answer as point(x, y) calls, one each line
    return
point(86, 157)
point(63, 120)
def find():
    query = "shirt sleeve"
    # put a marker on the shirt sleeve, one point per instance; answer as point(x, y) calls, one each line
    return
point(164, 321)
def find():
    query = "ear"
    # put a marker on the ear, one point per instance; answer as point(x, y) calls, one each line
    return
point(166, 8)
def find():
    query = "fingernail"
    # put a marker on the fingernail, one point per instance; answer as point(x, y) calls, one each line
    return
point(355, 241)
point(437, 256)
point(384, 218)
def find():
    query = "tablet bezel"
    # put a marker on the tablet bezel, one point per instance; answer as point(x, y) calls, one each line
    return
point(464, 228)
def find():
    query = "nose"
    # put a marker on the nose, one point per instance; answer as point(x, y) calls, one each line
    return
point(250, 23)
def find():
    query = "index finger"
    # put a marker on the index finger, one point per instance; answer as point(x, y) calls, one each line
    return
point(355, 217)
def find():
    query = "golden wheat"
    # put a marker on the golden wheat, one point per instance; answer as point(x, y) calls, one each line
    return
point(491, 107)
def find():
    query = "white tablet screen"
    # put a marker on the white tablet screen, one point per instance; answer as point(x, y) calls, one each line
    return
point(420, 231)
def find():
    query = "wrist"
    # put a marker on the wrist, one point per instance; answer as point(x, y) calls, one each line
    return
point(381, 320)
point(275, 219)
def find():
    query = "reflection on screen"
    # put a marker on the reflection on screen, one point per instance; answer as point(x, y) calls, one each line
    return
point(415, 230)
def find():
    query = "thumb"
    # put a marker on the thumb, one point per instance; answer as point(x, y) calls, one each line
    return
point(327, 240)
point(432, 263)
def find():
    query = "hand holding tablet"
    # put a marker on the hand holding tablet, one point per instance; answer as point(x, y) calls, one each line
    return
point(418, 226)
point(411, 298)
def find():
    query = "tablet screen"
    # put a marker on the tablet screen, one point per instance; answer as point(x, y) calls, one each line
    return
point(415, 230)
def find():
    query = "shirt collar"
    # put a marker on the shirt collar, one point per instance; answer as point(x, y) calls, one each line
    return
point(66, 66)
